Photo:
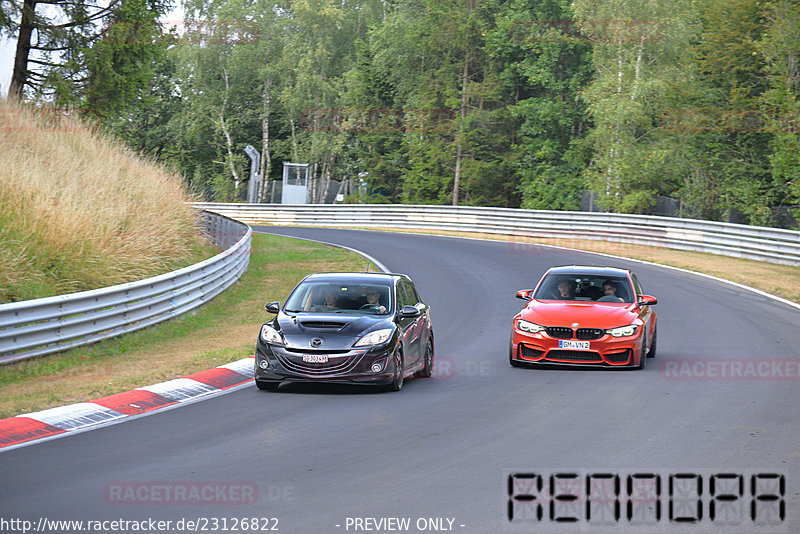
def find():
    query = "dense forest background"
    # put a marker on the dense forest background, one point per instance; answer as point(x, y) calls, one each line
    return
point(518, 103)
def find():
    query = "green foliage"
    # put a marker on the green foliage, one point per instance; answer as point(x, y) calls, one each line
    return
point(520, 102)
point(120, 64)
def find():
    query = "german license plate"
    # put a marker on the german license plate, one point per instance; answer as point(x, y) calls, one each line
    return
point(315, 358)
point(573, 345)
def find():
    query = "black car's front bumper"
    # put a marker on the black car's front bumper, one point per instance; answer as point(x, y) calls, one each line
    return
point(278, 364)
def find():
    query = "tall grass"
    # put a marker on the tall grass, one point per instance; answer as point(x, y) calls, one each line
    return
point(79, 211)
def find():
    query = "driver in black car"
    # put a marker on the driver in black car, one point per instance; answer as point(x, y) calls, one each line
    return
point(374, 298)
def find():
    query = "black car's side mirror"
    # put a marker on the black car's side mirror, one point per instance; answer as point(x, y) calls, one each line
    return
point(647, 300)
point(273, 307)
point(409, 311)
point(524, 294)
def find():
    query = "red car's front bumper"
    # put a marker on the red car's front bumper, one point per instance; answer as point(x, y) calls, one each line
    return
point(606, 351)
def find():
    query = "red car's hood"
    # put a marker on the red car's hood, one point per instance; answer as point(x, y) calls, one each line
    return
point(586, 314)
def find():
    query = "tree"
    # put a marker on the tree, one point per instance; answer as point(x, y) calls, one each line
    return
point(121, 62)
point(726, 144)
point(53, 37)
point(544, 62)
point(780, 103)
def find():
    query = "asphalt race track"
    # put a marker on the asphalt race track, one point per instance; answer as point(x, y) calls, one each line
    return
point(323, 458)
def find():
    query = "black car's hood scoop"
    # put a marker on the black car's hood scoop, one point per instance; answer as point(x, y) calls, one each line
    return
point(323, 324)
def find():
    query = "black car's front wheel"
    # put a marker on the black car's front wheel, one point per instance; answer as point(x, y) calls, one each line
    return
point(397, 378)
point(427, 369)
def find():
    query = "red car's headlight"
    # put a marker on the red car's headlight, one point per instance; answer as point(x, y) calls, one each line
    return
point(623, 331)
point(527, 326)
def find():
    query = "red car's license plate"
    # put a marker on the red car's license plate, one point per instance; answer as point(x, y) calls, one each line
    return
point(573, 345)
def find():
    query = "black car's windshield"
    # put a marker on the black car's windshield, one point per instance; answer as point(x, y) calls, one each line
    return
point(585, 287)
point(340, 297)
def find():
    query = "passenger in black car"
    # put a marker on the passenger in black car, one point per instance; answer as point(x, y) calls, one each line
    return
point(374, 298)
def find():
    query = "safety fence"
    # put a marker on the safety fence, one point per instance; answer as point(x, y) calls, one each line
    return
point(52, 324)
point(752, 242)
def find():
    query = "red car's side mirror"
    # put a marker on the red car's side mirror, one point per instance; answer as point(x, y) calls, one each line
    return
point(524, 294)
point(647, 300)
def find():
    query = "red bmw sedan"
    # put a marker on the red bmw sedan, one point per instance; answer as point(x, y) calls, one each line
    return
point(585, 316)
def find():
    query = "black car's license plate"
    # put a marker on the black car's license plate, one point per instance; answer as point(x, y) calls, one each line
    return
point(315, 358)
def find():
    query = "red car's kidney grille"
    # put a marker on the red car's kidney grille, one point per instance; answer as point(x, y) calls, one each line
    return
point(574, 356)
point(590, 333)
point(560, 332)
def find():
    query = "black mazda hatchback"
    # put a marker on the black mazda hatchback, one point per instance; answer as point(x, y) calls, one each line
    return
point(351, 328)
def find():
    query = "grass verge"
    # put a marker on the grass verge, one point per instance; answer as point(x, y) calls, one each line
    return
point(78, 211)
point(224, 330)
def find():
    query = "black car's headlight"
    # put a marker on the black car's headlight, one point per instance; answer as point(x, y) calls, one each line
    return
point(378, 337)
point(623, 331)
point(527, 326)
point(271, 336)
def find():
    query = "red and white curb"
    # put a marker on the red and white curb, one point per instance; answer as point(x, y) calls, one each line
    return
point(25, 428)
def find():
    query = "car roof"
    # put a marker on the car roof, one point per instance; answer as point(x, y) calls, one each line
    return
point(589, 269)
point(355, 277)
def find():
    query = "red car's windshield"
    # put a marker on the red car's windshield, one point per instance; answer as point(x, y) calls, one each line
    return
point(585, 287)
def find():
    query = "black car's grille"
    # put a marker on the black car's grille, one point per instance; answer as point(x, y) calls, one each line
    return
point(336, 365)
point(619, 357)
point(323, 324)
point(528, 352)
point(315, 351)
point(560, 332)
point(590, 333)
point(574, 355)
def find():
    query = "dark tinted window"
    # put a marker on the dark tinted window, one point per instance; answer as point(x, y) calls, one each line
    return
point(637, 285)
point(403, 297)
point(412, 292)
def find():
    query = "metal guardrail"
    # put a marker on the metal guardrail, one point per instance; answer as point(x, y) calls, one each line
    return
point(52, 324)
point(752, 242)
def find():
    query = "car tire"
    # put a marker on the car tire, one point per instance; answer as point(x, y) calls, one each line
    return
point(267, 386)
point(427, 369)
point(643, 355)
point(397, 380)
point(511, 360)
point(652, 352)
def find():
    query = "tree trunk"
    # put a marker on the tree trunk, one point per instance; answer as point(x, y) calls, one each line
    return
point(266, 156)
point(459, 140)
point(27, 24)
point(224, 127)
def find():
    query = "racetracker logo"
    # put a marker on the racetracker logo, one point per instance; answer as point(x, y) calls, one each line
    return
point(171, 493)
point(730, 369)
